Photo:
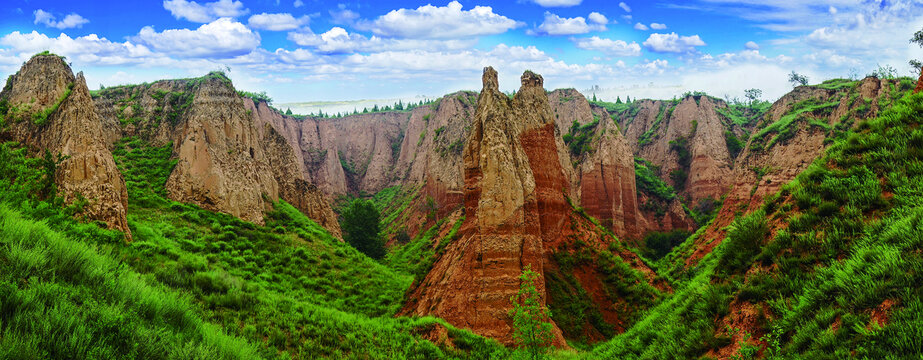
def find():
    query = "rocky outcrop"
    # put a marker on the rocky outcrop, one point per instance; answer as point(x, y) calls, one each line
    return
point(517, 216)
point(603, 179)
point(661, 131)
point(51, 110)
point(221, 164)
point(762, 169)
point(607, 184)
point(286, 170)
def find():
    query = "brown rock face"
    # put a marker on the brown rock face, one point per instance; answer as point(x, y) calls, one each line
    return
point(607, 184)
point(919, 83)
point(73, 130)
point(303, 195)
point(783, 161)
point(503, 227)
point(517, 215)
point(221, 166)
point(695, 119)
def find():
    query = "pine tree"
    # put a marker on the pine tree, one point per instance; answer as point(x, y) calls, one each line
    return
point(627, 100)
point(532, 328)
point(618, 100)
point(594, 97)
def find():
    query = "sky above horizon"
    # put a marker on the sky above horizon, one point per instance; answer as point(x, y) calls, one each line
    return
point(312, 50)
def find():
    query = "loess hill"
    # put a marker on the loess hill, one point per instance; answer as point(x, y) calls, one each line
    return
point(185, 219)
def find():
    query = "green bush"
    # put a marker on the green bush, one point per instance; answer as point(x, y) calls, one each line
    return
point(361, 224)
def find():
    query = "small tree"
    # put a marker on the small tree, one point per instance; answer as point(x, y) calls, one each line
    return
point(288, 111)
point(797, 79)
point(594, 97)
point(914, 63)
point(532, 328)
point(432, 208)
point(753, 95)
point(618, 100)
point(361, 223)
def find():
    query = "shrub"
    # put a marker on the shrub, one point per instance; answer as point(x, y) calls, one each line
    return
point(361, 226)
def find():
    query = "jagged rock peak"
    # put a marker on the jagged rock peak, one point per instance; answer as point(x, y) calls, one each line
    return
point(489, 80)
point(531, 79)
point(58, 116)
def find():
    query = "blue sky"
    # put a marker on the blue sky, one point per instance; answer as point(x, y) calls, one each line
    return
point(309, 50)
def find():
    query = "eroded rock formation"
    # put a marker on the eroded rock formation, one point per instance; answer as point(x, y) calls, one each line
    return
point(51, 109)
point(517, 216)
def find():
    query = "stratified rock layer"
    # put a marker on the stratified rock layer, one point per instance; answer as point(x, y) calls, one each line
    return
point(517, 216)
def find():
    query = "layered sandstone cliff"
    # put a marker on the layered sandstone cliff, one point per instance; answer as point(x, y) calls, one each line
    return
point(51, 110)
point(517, 216)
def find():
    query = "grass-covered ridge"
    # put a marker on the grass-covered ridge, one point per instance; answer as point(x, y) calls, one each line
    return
point(193, 283)
point(830, 266)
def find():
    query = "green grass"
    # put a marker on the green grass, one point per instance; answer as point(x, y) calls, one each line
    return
point(580, 137)
point(648, 181)
point(785, 128)
point(193, 283)
point(851, 243)
point(649, 135)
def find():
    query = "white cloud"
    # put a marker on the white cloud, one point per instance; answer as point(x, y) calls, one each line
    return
point(625, 7)
point(640, 26)
point(608, 46)
point(343, 16)
point(832, 10)
point(741, 57)
point(557, 3)
point(339, 41)
point(298, 3)
point(672, 43)
point(221, 38)
point(89, 49)
point(203, 13)
point(750, 45)
point(556, 25)
point(598, 18)
point(447, 22)
point(658, 26)
point(277, 22)
point(654, 67)
point(72, 20)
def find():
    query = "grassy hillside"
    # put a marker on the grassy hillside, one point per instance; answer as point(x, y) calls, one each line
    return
point(829, 268)
point(193, 283)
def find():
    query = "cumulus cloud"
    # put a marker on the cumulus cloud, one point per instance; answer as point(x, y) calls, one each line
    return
point(207, 12)
point(654, 67)
point(90, 48)
point(658, 26)
point(640, 26)
point(72, 20)
point(221, 38)
point(339, 41)
point(446, 22)
point(750, 45)
point(277, 22)
point(556, 25)
point(672, 43)
point(608, 46)
point(598, 18)
point(625, 7)
point(557, 3)
point(298, 3)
